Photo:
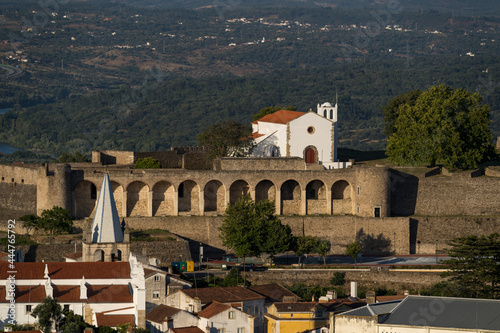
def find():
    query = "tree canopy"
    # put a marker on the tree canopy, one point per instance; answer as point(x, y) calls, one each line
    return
point(55, 221)
point(353, 249)
point(444, 126)
point(251, 228)
point(229, 138)
point(147, 163)
point(47, 313)
point(474, 267)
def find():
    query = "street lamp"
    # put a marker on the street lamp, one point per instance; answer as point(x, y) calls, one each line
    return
point(436, 251)
point(394, 244)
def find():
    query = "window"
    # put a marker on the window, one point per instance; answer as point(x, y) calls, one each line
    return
point(240, 330)
point(318, 313)
point(221, 330)
point(310, 130)
point(331, 114)
point(181, 190)
point(156, 294)
point(157, 278)
point(93, 191)
point(376, 211)
point(358, 190)
point(28, 308)
point(231, 315)
point(66, 307)
point(357, 209)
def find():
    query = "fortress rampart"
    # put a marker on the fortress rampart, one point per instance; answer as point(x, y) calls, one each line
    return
point(388, 209)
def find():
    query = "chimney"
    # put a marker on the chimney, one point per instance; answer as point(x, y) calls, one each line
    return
point(49, 290)
point(331, 294)
point(313, 298)
point(354, 289)
point(207, 329)
point(370, 297)
point(83, 288)
point(7, 329)
point(406, 292)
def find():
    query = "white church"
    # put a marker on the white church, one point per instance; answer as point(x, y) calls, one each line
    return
point(308, 135)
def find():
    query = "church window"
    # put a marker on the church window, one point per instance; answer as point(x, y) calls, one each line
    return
point(93, 192)
point(310, 130)
point(331, 114)
point(324, 113)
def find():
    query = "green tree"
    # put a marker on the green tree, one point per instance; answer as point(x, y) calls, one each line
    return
point(279, 238)
point(246, 227)
point(338, 279)
point(391, 109)
point(270, 109)
point(323, 248)
point(55, 221)
point(353, 249)
point(475, 265)
point(48, 313)
point(234, 278)
point(444, 126)
point(73, 158)
point(30, 222)
point(147, 163)
point(226, 139)
point(73, 323)
point(306, 245)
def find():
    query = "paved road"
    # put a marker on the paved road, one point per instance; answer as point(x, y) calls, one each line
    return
point(9, 71)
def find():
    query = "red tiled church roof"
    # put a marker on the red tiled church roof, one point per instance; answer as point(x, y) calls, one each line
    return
point(114, 320)
point(280, 117)
point(191, 329)
point(68, 270)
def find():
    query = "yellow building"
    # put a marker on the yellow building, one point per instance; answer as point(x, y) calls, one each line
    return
point(296, 317)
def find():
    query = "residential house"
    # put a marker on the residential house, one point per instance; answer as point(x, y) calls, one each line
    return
point(164, 317)
point(430, 314)
point(160, 284)
point(224, 318)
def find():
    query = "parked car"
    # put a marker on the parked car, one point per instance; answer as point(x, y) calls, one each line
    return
point(246, 267)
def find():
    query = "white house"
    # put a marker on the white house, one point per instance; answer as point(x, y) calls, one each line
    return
point(224, 318)
point(310, 135)
point(104, 293)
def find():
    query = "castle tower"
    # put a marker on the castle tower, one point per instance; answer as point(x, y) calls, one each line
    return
point(107, 239)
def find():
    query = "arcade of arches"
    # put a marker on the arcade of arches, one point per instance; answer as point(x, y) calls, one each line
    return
point(211, 198)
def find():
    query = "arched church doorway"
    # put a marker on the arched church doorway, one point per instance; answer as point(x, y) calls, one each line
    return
point(310, 156)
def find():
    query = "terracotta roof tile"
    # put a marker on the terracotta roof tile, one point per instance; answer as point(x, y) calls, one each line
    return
point(191, 329)
point(149, 272)
point(296, 307)
point(281, 117)
point(114, 320)
point(256, 135)
point(25, 294)
point(68, 270)
point(75, 255)
point(213, 309)
point(273, 292)
point(32, 331)
point(109, 294)
point(223, 294)
point(161, 312)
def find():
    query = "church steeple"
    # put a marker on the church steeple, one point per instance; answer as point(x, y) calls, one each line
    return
point(106, 227)
point(107, 239)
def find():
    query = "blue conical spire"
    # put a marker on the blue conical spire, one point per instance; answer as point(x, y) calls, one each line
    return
point(106, 227)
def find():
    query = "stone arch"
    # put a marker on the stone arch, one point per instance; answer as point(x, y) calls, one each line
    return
point(310, 155)
point(118, 195)
point(99, 255)
point(237, 190)
point(316, 197)
point(116, 255)
point(290, 197)
point(341, 197)
point(265, 189)
point(189, 197)
point(214, 196)
point(137, 199)
point(163, 198)
point(85, 198)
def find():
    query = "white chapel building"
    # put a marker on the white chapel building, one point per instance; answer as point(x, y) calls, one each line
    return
point(308, 135)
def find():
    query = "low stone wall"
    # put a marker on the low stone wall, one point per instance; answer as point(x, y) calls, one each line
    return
point(369, 279)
